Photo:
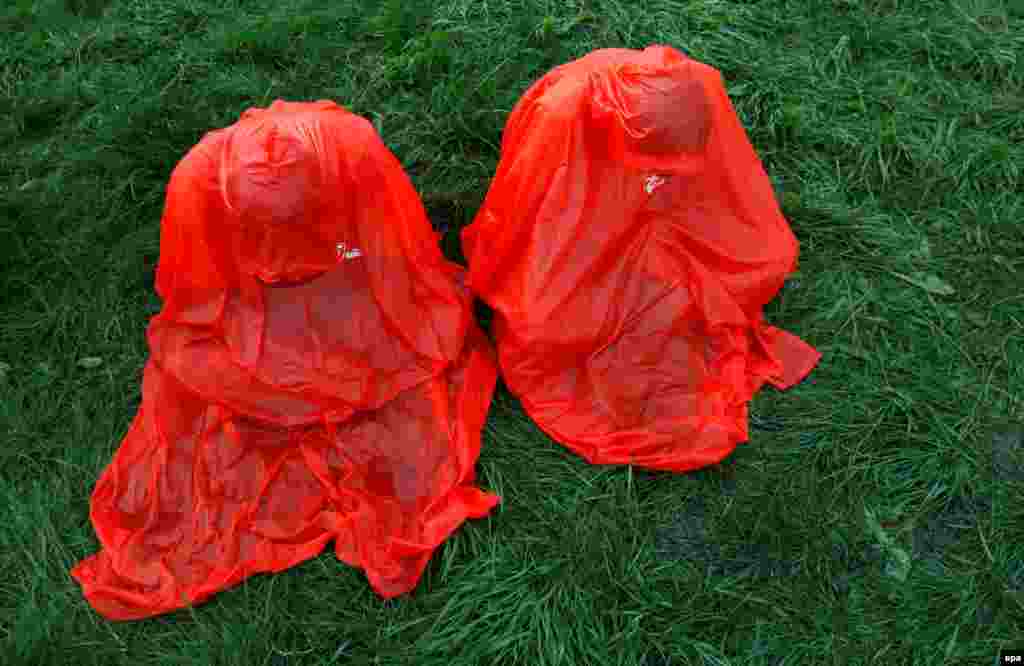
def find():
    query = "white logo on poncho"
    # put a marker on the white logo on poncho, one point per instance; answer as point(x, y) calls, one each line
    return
point(653, 182)
point(345, 252)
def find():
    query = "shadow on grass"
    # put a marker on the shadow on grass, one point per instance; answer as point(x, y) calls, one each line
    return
point(690, 536)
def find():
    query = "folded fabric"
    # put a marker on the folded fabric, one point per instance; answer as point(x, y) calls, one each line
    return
point(627, 245)
point(315, 374)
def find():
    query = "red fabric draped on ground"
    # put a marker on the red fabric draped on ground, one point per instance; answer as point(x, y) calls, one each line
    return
point(627, 245)
point(315, 374)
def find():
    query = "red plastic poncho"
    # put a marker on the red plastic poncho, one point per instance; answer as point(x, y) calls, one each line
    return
point(315, 374)
point(627, 245)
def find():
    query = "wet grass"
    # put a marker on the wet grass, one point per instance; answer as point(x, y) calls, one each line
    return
point(876, 515)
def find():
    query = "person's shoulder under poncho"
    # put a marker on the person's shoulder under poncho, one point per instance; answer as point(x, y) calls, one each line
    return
point(628, 244)
point(315, 374)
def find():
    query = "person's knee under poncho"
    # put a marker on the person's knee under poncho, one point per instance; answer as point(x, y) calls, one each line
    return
point(627, 245)
point(315, 374)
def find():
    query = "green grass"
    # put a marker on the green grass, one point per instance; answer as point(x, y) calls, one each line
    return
point(876, 515)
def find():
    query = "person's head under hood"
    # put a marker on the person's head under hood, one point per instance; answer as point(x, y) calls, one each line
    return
point(659, 107)
point(273, 186)
point(670, 117)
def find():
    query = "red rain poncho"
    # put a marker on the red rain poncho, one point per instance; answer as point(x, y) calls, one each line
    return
point(627, 245)
point(315, 374)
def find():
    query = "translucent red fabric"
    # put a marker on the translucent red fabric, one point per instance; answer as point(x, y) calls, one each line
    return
point(627, 245)
point(315, 374)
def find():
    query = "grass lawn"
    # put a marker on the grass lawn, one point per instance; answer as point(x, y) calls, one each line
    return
point(874, 518)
